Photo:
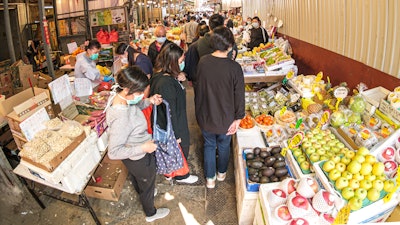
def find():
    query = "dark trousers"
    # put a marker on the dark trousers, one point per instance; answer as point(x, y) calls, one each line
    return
point(143, 177)
point(185, 150)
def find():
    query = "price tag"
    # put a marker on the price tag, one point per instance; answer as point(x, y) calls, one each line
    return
point(296, 140)
point(283, 110)
point(324, 119)
point(319, 77)
point(337, 103)
point(340, 92)
point(343, 215)
point(389, 195)
point(298, 123)
point(289, 75)
point(283, 151)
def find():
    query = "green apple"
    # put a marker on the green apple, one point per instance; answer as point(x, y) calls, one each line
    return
point(345, 160)
point(335, 149)
point(346, 174)
point(359, 158)
point(381, 177)
point(305, 165)
point(314, 157)
point(355, 203)
point(335, 158)
point(370, 159)
point(334, 174)
point(333, 137)
point(366, 184)
point(341, 183)
point(322, 142)
point(378, 185)
point(317, 145)
point(323, 157)
point(373, 194)
point(360, 193)
point(370, 177)
point(321, 151)
point(388, 185)
point(301, 158)
point(347, 193)
point(354, 183)
point(358, 177)
point(306, 144)
point(340, 145)
point(315, 131)
point(328, 166)
point(366, 168)
point(378, 168)
point(354, 167)
point(350, 154)
point(319, 136)
point(326, 147)
point(362, 151)
point(310, 150)
point(332, 143)
point(326, 132)
point(340, 166)
point(297, 152)
point(313, 140)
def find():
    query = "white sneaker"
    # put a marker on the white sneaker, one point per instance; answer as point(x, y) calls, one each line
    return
point(189, 180)
point(155, 192)
point(161, 213)
point(221, 176)
point(210, 182)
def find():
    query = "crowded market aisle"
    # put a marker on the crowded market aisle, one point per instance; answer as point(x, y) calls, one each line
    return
point(216, 205)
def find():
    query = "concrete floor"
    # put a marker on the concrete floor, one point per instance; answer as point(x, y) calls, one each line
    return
point(189, 204)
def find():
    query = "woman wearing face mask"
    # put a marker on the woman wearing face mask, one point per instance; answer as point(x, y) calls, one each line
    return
point(133, 144)
point(131, 56)
point(258, 34)
point(85, 66)
point(166, 81)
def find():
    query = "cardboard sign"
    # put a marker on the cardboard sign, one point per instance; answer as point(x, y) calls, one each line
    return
point(34, 123)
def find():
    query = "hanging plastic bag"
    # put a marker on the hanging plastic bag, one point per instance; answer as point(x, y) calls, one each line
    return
point(114, 36)
point(103, 37)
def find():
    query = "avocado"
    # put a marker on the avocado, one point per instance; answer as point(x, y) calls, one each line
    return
point(270, 160)
point(257, 165)
point(278, 164)
point(273, 178)
point(268, 172)
point(256, 150)
point(281, 171)
point(255, 179)
point(275, 150)
point(264, 154)
point(249, 155)
point(279, 157)
point(252, 171)
point(264, 180)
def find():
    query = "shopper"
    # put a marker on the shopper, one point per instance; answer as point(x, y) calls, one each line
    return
point(85, 66)
point(131, 56)
point(258, 34)
point(189, 30)
point(133, 144)
point(158, 44)
point(32, 52)
point(219, 103)
point(166, 81)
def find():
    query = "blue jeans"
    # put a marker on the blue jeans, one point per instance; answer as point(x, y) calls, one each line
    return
point(211, 142)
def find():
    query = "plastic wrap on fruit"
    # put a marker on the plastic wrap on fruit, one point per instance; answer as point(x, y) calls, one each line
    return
point(337, 119)
point(281, 99)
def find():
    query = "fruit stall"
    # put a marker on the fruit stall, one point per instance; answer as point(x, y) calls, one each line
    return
point(310, 152)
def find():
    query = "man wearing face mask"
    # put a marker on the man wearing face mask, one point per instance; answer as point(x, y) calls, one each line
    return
point(161, 40)
point(85, 66)
point(258, 34)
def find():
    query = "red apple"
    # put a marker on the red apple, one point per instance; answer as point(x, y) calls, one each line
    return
point(282, 212)
point(328, 217)
point(299, 221)
point(388, 153)
point(300, 202)
point(313, 184)
point(329, 198)
point(390, 168)
point(279, 193)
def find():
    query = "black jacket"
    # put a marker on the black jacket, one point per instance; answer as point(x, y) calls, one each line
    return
point(191, 60)
point(153, 53)
point(204, 47)
point(257, 36)
point(174, 93)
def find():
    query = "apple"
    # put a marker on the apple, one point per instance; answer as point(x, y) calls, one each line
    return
point(355, 203)
point(322, 142)
point(341, 183)
point(354, 183)
point(340, 145)
point(388, 153)
point(327, 217)
point(381, 177)
point(328, 197)
point(319, 136)
point(350, 154)
point(366, 184)
point(334, 174)
point(388, 185)
point(340, 166)
point(291, 186)
point(360, 193)
point(299, 221)
point(335, 149)
point(276, 197)
point(373, 194)
point(326, 147)
point(378, 168)
point(305, 165)
point(306, 144)
point(354, 167)
point(370, 159)
point(366, 168)
point(345, 160)
point(301, 158)
point(328, 166)
point(362, 151)
point(359, 158)
point(279, 193)
point(358, 177)
point(378, 185)
point(390, 167)
point(323, 158)
point(314, 157)
point(282, 212)
point(346, 174)
point(335, 158)
point(317, 145)
point(370, 177)
point(323, 201)
point(312, 183)
point(347, 193)
point(297, 152)
point(333, 137)
point(310, 150)
point(321, 151)
point(300, 202)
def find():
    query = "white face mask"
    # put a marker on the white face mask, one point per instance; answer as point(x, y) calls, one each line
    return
point(124, 60)
point(255, 25)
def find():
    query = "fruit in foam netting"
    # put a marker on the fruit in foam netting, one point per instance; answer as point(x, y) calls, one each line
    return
point(282, 212)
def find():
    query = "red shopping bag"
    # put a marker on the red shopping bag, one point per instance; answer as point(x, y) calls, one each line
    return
point(103, 37)
point(114, 36)
point(182, 171)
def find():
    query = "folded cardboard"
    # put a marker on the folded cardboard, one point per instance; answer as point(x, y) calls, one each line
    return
point(43, 80)
point(23, 73)
point(109, 180)
point(8, 104)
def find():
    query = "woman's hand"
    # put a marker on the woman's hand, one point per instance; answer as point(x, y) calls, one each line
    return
point(233, 127)
point(181, 77)
point(156, 99)
point(149, 146)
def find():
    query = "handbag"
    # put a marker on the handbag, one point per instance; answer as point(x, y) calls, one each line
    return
point(182, 171)
point(168, 154)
